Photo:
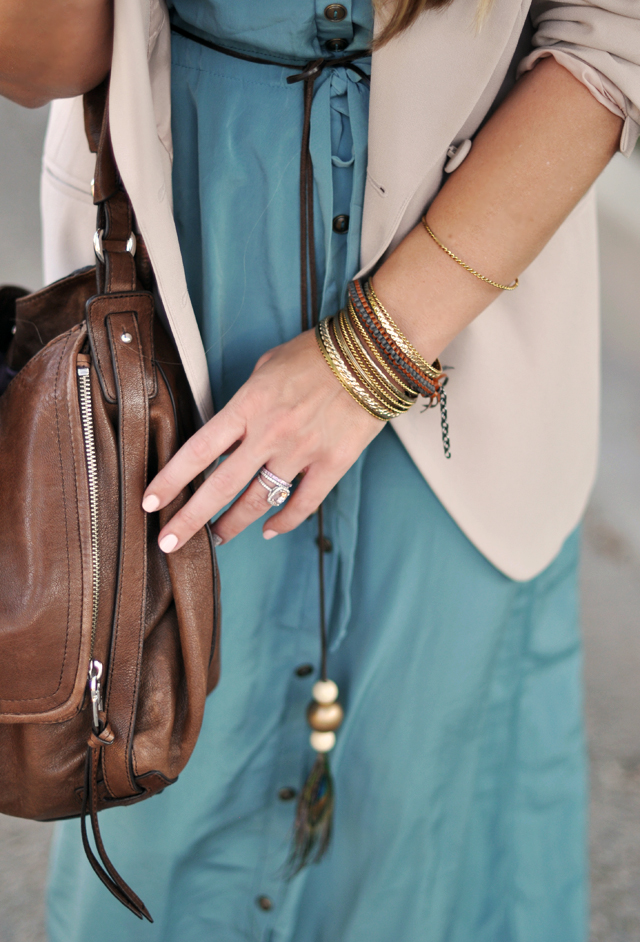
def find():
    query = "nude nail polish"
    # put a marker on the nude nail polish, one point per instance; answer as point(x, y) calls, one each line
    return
point(269, 534)
point(216, 539)
point(168, 542)
point(150, 503)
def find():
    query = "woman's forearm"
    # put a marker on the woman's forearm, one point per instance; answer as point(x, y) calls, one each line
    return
point(53, 48)
point(529, 167)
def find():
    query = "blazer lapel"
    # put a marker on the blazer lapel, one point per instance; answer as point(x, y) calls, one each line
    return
point(139, 112)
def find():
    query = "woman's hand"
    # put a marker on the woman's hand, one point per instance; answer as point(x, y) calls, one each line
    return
point(291, 415)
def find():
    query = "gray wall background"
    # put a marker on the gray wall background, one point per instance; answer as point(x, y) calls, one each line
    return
point(610, 569)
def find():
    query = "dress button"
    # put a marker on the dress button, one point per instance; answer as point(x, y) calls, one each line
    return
point(304, 670)
point(336, 45)
point(265, 903)
point(287, 794)
point(327, 545)
point(335, 12)
point(340, 223)
point(456, 154)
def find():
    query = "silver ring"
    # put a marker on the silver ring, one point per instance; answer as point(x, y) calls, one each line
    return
point(279, 489)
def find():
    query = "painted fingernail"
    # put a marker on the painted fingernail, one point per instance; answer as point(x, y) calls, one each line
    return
point(168, 542)
point(216, 539)
point(150, 503)
point(269, 534)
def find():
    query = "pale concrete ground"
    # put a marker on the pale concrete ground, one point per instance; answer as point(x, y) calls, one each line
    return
point(611, 567)
point(24, 845)
point(611, 575)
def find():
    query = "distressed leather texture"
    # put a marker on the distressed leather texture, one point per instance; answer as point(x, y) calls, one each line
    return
point(157, 623)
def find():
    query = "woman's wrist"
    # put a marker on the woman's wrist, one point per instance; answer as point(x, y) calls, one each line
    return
point(429, 296)
point(372, 358)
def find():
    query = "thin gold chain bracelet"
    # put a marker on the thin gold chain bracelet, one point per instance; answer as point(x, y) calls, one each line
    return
point(472, 271)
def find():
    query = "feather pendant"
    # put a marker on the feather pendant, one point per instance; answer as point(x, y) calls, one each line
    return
point(314, 817)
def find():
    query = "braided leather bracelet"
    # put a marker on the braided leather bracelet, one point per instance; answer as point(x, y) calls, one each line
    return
point(392, 354)
point(371, 350)
point(395, 333)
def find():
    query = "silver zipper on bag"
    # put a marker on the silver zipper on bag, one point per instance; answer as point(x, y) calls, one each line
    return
point(86, 417)
point(95, 691)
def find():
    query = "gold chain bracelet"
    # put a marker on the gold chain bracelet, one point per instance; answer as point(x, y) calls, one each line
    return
point(389, 397)
point(472, 271)
point(353, 387)
point(405, 395)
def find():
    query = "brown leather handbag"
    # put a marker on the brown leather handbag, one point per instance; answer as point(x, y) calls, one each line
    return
point(108, 648)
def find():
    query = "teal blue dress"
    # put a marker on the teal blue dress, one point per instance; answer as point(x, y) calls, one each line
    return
point(460, 766)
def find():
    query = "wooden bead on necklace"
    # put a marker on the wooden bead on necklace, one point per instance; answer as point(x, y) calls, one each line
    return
point(324, 717)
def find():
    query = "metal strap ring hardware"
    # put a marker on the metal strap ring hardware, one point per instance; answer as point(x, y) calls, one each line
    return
point(279, 489)
point(97, 244)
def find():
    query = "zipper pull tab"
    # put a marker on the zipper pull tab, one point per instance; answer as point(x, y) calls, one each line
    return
point(95, 691)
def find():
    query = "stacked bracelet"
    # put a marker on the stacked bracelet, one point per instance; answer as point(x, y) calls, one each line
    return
point(332, 354)
point(396, 356)
point(375, 362)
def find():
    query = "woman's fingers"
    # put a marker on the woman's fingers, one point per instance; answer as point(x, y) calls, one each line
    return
point(218, 436)
point(251, 505)
point(292, 414)
point(308, 496)
point(219, 489)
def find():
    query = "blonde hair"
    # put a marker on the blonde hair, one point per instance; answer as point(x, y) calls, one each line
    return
point(402, 13)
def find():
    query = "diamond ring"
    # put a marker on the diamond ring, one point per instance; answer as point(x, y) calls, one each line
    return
point(278, 488)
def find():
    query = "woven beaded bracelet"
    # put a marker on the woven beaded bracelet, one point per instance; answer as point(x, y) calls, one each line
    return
point(371, 350)
point(385, 343)
point(399, 359)
point(396, 360)
point(393, 335)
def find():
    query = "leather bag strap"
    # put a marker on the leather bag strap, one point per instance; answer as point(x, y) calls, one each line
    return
point(96, 124)
point(125, 661)
point(115, 242)
point(120, 329)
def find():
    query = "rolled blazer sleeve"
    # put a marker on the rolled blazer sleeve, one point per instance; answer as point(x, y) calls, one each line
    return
point(599, 43)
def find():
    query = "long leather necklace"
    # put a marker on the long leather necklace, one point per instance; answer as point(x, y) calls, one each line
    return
point(314, 814)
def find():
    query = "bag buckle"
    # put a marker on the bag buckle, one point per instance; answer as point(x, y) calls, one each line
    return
point(97, 244)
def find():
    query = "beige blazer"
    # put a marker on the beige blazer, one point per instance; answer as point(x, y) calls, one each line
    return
point(524, 444)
